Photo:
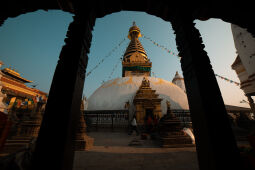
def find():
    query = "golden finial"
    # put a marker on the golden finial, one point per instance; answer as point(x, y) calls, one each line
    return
point(127, 105)
point(134, 28)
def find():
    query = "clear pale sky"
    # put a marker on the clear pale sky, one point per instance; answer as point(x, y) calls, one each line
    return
point(31, 44)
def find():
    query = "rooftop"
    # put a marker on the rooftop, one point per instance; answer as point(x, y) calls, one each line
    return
point(14, 74)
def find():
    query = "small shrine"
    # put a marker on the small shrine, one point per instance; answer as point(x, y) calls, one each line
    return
point(82, 140)
point(146, 102)
point(27, 130)
point(171, 131)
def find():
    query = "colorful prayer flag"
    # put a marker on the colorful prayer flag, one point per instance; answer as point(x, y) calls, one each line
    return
point(19, 103)
point(11, 102)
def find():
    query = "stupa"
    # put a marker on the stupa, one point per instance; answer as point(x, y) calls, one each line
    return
point(115, 93)
point(144, 94)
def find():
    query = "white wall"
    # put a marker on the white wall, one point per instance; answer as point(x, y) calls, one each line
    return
point(245, 46)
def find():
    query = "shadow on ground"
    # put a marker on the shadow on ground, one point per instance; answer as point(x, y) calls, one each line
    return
point(111, 151)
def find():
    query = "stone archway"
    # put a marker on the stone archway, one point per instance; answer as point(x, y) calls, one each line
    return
point(59, 122)
point(238, 14)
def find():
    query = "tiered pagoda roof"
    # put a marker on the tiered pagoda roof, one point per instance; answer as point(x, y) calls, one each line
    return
point(135, 45)
point(14, 85)
point(135, 61)
point(15, 75)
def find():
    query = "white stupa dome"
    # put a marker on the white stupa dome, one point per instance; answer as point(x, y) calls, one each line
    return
point(113, 94)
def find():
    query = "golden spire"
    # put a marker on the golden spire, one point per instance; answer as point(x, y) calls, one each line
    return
point(135, 45)
point(135, 61)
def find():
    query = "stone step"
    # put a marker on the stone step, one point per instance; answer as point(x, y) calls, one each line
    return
point(176, 138)
point(175, 141)
point(241, 138)
point(15, 144)
point(13, 147)
point(177, 145)
point(17, 141)
point(20, 137)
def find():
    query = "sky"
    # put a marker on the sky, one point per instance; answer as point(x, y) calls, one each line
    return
point(31, 44)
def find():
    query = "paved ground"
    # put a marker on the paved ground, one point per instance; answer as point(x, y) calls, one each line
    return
point(112, 152)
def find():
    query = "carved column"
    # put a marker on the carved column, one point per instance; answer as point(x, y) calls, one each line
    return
point(82, 140)
point(3, 106)
point(29, 127)
point(251, 103)
point(55, 143)
point(215, 142)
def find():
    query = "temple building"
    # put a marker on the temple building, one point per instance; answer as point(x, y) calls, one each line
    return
point(244, 62)
point(3, 106)
point(21, 111)
point(144, 94)
point(14, 85)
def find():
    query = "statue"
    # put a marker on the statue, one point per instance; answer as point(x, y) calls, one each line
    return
point(169, 112)
point(84, 103)
point(127, 105)
point(168, 104)
point(171, 131)
point(145, 82)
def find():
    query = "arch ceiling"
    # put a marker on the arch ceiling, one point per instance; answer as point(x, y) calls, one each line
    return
point(239, 14)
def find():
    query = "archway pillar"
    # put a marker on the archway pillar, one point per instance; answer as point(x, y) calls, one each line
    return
point(215, 142)
point(251, 103)
point(55, 143)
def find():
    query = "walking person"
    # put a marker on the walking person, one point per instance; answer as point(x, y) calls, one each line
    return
point(133, 127)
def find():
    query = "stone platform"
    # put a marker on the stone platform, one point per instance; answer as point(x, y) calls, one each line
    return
point(112, 151)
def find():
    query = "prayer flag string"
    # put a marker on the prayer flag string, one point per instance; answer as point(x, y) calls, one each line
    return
point(158, 45)
point(114, 68)
point(228, 80)
point(175, 54)
point(162, 47)
point(109, 54)
point(153, 74)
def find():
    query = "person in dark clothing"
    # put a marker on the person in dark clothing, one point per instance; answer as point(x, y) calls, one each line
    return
point(149, 124)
